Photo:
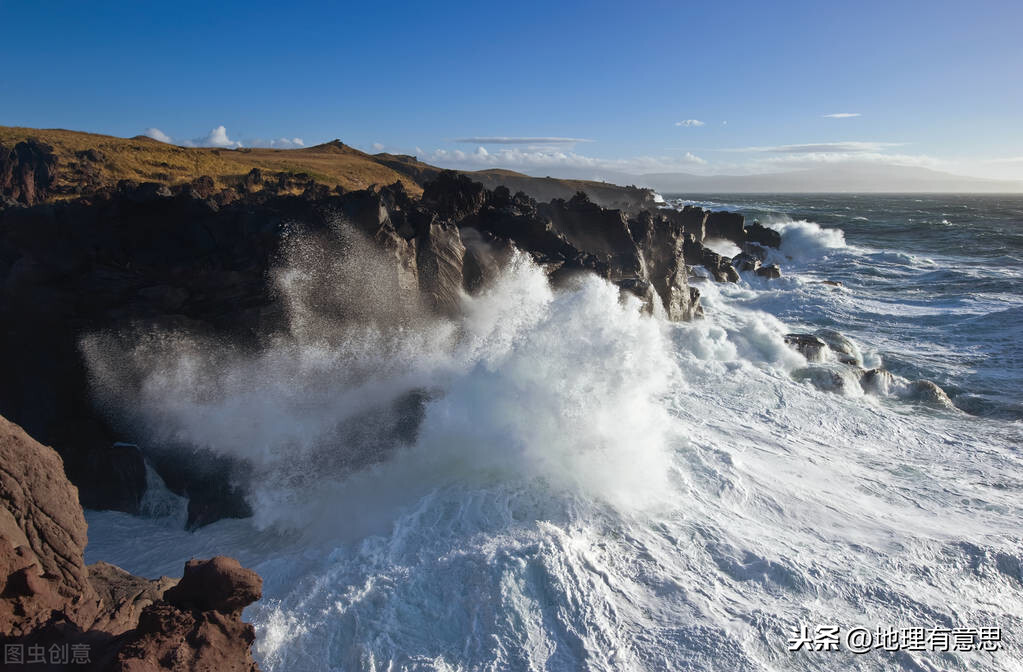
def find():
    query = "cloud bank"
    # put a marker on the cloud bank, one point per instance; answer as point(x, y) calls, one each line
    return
point(513, 140)
point(532, 160)
point(819, 148)
point(218, 137)
point(689, 123)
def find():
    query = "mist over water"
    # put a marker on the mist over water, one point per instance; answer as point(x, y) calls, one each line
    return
point(555, 481)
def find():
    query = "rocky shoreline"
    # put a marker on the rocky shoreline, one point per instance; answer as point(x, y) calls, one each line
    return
point(142, 256)
point(139, 257)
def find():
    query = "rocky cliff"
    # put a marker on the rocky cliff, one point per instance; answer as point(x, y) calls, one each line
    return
point(127, 259)
point(55, 611)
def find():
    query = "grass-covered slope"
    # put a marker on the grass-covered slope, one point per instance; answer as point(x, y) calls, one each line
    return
point(86, 162)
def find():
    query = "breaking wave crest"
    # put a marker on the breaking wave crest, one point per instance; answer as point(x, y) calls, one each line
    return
point(554, 480)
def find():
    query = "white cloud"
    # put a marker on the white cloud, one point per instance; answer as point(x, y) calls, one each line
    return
point(378, 146)
point(280, 143)
point(217, 137)
point(819, 148)
point(516, 158)
point(157, 134)
point(689, 123)
point(521, 140)
point(841, 115)
point(792, 161)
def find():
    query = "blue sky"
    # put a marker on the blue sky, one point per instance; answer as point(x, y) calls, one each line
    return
point(588, 88)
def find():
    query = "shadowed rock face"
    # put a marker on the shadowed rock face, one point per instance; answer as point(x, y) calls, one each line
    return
point(48, 596)
point(727, 225)
point(142, 256)
point(42, 538)
point(27, 170)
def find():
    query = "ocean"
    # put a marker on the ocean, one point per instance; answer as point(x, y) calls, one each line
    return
point(591, 488)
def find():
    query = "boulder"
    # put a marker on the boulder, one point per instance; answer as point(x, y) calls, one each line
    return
point(762, 235)
point(878, 382)
point(844, 349)
point(745, 261)
point(927, 392)
point(836, 379)
point(219, 584)
point(808, 345)
point(771, 272)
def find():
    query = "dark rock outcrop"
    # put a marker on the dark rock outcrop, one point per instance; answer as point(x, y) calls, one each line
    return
point(140, 256)
point(661, 239)
point(808, 345)
point(720, 267)
point(744, 261)
point(762, 235)
point(726, 225)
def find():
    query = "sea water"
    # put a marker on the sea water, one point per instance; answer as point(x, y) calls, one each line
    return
point(591, 488)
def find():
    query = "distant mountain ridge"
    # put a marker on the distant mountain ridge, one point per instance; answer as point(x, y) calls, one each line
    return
point(846, 177)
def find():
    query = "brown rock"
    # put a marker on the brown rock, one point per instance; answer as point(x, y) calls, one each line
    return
point(124, 596)
point(42, 537)
point(219, 584)
point(48, 595)
point(27, 171)
point(168, 638)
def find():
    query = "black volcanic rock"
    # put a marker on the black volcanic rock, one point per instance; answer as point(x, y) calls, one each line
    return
point(810, 346)
point(139, 257)
point(661, 238)
point(744, 261)
point(726, 225)
point(603, 233)
point(454, 196)
point(762, 235)
point(720, 268)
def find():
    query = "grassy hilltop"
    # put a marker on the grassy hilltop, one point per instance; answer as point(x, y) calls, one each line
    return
point(88, 161)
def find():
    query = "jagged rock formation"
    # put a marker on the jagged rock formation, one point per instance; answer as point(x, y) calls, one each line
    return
point(104, 617)
point(26, 171)
point(836, 365)
point(144, 255)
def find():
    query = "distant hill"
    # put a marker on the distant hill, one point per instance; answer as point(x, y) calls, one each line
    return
point(839, 178)
point(86, 162)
